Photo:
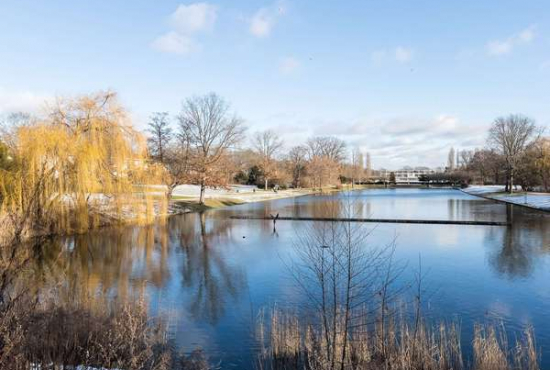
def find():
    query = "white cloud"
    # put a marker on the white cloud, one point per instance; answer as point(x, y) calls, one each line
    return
point(186, 22)
point(288, 65)
point(400, 54)
point(264, 19)
point(193, 18)
point(401, 140)
point(506, 46)
point(175, 43)
point(499, 47)
point(21, 101)
point(527, 35)
point(403, 55)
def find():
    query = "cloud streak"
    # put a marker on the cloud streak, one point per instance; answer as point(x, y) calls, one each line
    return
point(263, 21)
point(186, 22)
point(506, 46)
point(400, 140)
point(403, 55)
point(175, 43)
point(192, 18)
point(21, 101)
point(400, 54)
point(288, 65)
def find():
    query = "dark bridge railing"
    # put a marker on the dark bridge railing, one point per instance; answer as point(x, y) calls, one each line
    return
point(373, 220)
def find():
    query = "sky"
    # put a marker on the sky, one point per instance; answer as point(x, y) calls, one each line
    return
point(405, 80)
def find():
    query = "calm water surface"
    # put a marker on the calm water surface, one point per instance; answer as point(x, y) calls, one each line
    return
point(209, 275)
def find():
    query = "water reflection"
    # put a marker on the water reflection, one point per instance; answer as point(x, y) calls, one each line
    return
point(205, 273)
point(124, 262)
point(521, 244)
point(210, 267)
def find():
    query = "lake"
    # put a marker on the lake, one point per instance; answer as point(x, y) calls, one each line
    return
point(209, 275)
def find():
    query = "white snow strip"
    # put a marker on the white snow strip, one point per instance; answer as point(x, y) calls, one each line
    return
point(530, 199)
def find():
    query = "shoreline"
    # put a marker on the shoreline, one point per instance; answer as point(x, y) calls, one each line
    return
point(535, 201)
point(191, 204)
point(173, 207)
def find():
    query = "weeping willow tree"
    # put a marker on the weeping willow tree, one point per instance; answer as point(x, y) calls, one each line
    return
point(81, 166)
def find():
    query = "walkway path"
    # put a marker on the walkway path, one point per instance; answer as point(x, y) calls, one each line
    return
point(539, 201)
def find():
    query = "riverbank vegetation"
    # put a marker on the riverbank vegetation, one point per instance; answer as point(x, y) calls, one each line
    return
point(516, 153)
point(295, 343)
point(356, 310)
point(360, 314)
point(77, 167)
point(69, 326)
point(81, 163)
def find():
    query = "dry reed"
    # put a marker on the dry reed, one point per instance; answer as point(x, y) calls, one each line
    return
point(292, 344)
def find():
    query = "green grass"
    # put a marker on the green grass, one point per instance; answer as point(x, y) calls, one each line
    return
point(193, 204)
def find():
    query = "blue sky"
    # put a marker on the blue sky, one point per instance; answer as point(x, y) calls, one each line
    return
point(405, 80)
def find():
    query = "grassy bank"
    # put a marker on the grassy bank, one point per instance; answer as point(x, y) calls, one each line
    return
point(294, 343)
point(231, 198)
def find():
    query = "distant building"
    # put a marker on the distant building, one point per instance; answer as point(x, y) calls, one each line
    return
point(406, 175)
point(381, 174)
point(409, 175)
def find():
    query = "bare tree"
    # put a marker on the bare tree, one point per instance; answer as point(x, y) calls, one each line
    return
point(161, 135)
point(346, 281)
point(325, 155)
point(331, 148)
point(509, 136)
point(542, 162)
point(211, 132)
point(297, 162)
point(488, 164)
point(466, 157)
point(178, 160)
point(267, 144)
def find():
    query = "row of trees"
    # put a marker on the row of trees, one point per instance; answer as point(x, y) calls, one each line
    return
point(82, 164)
point(202, 146)
point(63, 170)
point(516, 153)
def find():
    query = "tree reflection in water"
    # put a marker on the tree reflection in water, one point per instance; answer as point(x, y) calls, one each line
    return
point(122, 262)
point(518, 248)
point(204, 271)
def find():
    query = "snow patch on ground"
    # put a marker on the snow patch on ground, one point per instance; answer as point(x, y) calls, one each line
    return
point(533, 200)
point(239, 193)
point(195, 190)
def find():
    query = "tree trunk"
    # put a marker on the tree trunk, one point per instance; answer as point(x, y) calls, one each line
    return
point(511, 182)
point(170, 190)
point(265, 186)
point(201, 199)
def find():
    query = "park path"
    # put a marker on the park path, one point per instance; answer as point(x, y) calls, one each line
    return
point(540, 201)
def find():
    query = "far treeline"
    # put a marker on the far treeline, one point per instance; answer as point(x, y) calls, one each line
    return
point(516, 153)
point(81, 164)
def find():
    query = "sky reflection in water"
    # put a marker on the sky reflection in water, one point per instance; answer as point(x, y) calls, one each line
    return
point(209, 275)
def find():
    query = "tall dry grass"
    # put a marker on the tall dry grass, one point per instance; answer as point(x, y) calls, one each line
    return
point(291, 343)
point(53, 336)
point(40, 331)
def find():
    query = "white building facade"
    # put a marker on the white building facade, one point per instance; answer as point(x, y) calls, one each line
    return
point(409, 175)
